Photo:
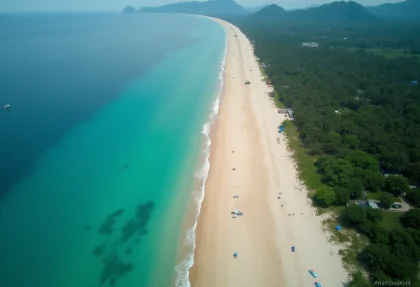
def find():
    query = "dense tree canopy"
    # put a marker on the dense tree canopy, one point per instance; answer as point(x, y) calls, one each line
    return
point(397, 184)
point(358, 112)
point(374, 215)
point(325, 196)
point(387, 199)
point(358, 280)
point(355, 214)
point(352, 93)
point(342, 195)
point(414, 196)
point(412, 218)
point(378, 257)
point(379, 235)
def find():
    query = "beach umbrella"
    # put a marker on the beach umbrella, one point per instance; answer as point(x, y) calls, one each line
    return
point(338, 228)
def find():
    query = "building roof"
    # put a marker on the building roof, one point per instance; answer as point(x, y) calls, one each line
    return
point(310, 44)
point(373, 204)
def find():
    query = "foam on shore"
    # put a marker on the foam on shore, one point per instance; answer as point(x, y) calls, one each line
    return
point(182, 278)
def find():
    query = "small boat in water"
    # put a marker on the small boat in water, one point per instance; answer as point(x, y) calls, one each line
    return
point(7, 106)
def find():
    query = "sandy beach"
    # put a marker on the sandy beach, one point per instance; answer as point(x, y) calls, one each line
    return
point(247, 161)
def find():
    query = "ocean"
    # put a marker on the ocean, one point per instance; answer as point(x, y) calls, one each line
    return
point(105, 147)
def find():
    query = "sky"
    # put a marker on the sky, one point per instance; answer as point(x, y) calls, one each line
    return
point(118, 5)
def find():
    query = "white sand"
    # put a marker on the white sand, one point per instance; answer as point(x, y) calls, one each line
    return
point(247, 124)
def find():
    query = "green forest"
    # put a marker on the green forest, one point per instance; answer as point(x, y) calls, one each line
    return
point(356, 102)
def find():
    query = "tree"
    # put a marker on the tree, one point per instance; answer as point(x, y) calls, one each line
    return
point(379, 276)
point(333, 143)
point(373, 180)
point(403, 245)
point(411, 218)
point(366, 227)
point(415, 234)
point(374, 215)
point(363, 160)
point(351, 141)
point(342, 196)
point(356, 188)
point(323, 161)
point(387, 199)
point(355, 214)
point(325, 196)
point(414, 196)
point(336, 172)
point(379, 234)
point(358, 280)
point(378, 257)
point(397, 184)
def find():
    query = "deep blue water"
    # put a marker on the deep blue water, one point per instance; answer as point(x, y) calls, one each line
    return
point(57, 71)
point(99, 149)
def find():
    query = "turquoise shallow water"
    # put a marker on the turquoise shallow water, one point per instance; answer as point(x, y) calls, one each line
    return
point(102, 204)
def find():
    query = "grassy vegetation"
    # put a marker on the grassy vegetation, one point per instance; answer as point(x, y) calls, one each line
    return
point(279, 104)
point(305, 162)
point(352, 241)
point(391, 220)
point(377, 195)
point(374, 195)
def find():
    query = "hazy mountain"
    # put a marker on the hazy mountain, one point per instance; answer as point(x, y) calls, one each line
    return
point(256, 8)
point(270, 13)
point(312, 6)
point(409, 9)
point(129, 9)
point(336, 12)
point(211, 7)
